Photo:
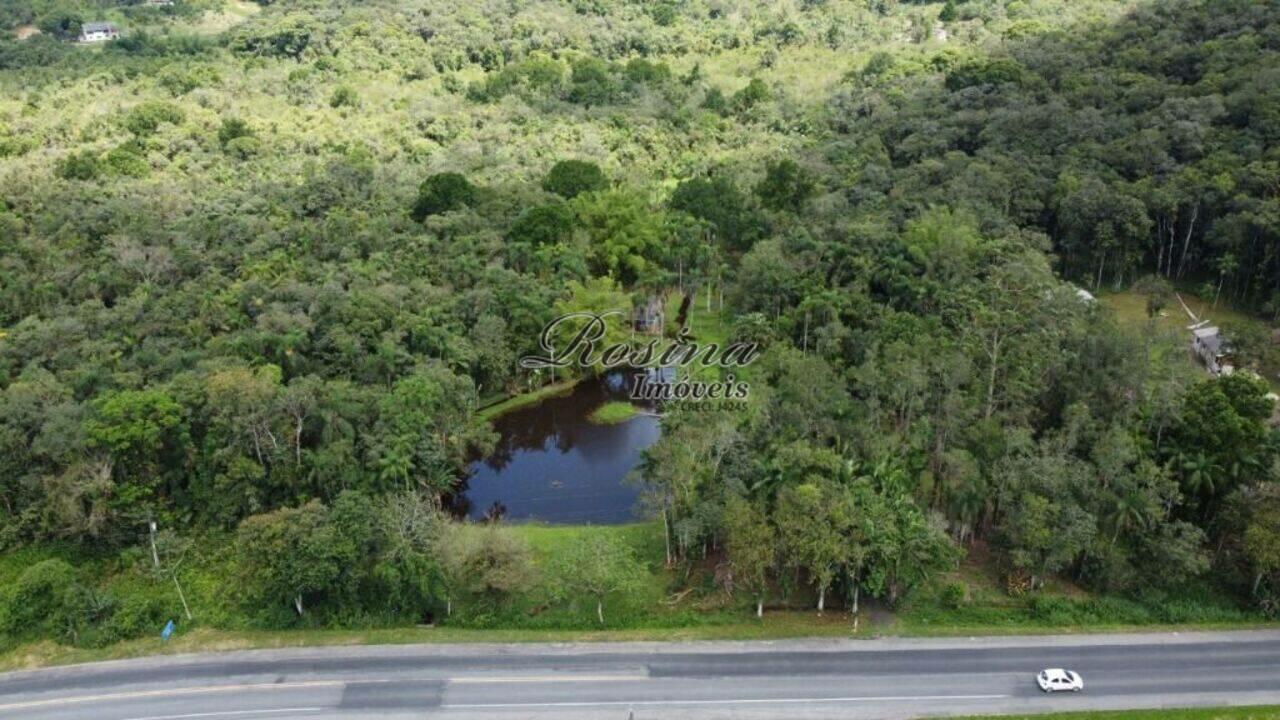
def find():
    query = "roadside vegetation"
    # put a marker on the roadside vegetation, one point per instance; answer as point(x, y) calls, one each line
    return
point(266, 275)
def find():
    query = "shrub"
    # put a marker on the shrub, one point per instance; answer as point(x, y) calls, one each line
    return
point(491, 565)
point(180, 81)
point(753, 94)
point(640, 71)
point(538, 75)
point(134, 618)
point(720, 203)
point(542, 225)
point(287, 37)
point(663, 12)
point(244, 147)
point(715, 101)
point(146, 118)
point(786, 186)
point(44, 599)
point(231, 129)
point(126, 160)
point(78, 166)
point(443, 192)
point(571, 178)
point(592, 82)
point(344, 97)
point(954, 595)
point(972, 73)
point(62, 25)
point(1055, 610)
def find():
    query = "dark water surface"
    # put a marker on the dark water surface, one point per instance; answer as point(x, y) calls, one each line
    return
point(552, 464)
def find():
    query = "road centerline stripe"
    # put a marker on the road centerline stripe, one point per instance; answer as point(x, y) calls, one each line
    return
point(228, 713)
point(517, 679)
point(744, 701)
point(196, 690)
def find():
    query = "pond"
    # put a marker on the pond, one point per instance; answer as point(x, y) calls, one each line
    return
point(553, 465)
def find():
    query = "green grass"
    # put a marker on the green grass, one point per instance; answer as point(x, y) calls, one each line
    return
point(1262, 712)
point(739, 626)
point(1059, 608)
point(524, 400)
point(216, 22)
point(612, 413)
point(658, 610)
point(654, 612)
point(651, 613)
point(706, 325)
point(1130, 310)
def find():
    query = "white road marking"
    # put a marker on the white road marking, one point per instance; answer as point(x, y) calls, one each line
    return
point(228, 713)
point(515, 679)
point(750, 701)
point(168, 692)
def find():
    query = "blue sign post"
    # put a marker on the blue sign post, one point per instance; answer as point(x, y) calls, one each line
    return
point(168, 630)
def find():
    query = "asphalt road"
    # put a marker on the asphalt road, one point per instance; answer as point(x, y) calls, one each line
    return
point(897, 678)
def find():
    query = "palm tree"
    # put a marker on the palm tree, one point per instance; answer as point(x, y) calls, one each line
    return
point(1130, 509)
point(1199, 473)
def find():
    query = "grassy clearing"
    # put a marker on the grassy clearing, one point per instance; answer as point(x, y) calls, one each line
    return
point(1262, 712)
point(612, 413)
point(548, 541)
point(1131, 311)
point(220, 20)
point(707, 322)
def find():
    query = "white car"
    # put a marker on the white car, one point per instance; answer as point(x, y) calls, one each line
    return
point(1057, 680)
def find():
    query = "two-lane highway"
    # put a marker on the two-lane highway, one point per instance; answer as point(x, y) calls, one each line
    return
point(895, 678)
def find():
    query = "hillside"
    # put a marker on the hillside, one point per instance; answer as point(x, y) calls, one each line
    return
point(261, 265)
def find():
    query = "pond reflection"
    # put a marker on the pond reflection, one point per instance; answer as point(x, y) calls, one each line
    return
point(554, 465)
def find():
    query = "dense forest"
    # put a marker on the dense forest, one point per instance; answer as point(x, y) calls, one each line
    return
point(262, 264)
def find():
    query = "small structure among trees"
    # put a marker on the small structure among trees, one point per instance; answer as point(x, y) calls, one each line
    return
point(92, 32)
point(1212, 349)
point(649, 316)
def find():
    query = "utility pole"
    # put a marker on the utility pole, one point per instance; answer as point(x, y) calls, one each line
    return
point(155, 556)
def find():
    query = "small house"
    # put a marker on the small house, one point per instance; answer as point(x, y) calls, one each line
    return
point(649, 316)
point(98, 32)
point(1212, 349)
point(160, 3)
